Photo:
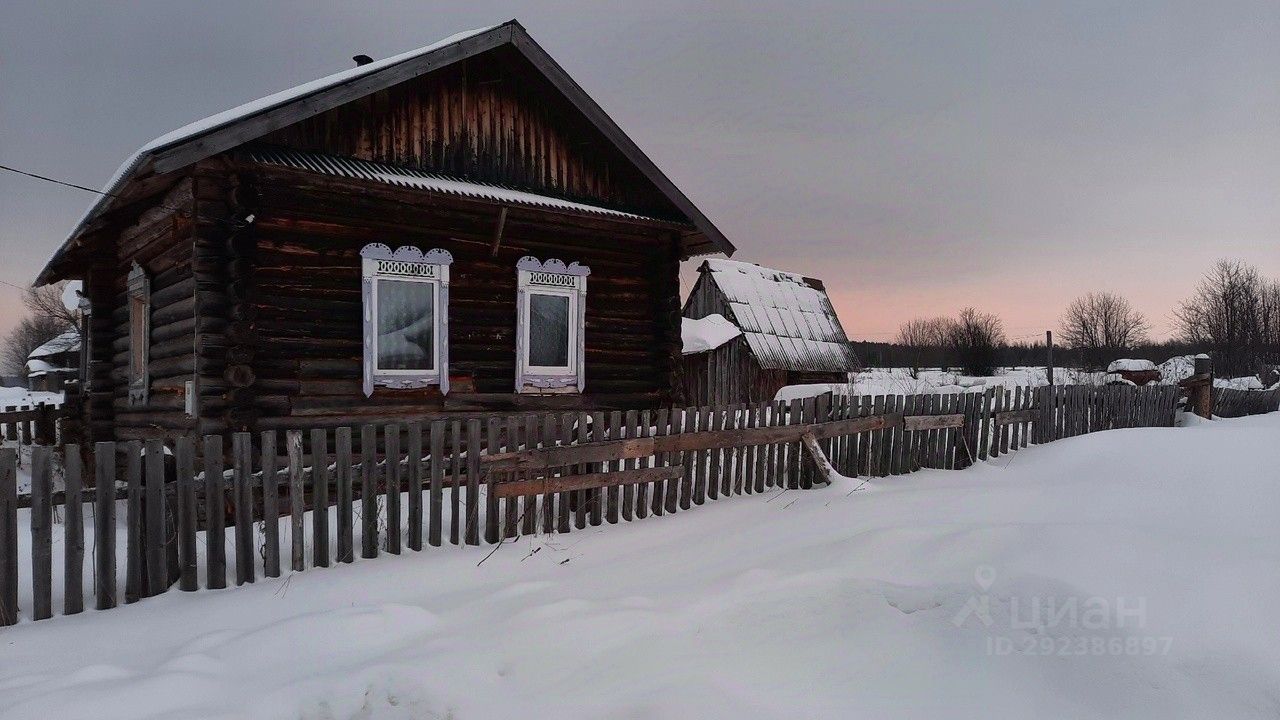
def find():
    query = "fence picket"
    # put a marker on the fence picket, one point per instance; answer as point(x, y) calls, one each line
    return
point(9, 536)
point(215, 514)
point(270, 505)
point(241, 474)
point(73, 533)
point(41, 533)
point(492, 521)
point(346, 521)
point(563, 500)
point(104, 526)
point(435, 506)
point(658, 500)
point(184, 457)
point(554, 430)
point(369, 492)
point(473, 482)
point(133, 523)
point(319, 498)
point(612, 500)
point(455, 486)
point(393, 480)
point(297, 501)
point(529, 515)
point(415, 485)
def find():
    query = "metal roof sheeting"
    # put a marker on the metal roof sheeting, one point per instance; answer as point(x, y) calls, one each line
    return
point(787, 321)
point(420, 180)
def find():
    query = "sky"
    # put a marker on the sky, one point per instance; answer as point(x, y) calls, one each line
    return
point(917, 157)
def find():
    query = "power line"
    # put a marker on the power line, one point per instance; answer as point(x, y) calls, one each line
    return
point(55, 181)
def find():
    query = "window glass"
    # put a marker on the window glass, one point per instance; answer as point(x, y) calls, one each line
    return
point(548, 330)
point(406, 327)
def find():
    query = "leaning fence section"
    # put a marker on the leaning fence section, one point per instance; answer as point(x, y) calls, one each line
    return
point(191, 514)
point(1232, 403)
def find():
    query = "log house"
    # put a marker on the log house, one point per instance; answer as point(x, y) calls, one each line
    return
point(523, 251)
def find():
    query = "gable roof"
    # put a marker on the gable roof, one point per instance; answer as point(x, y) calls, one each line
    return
point(787, 319)
point(65, 342)
point(237, 126)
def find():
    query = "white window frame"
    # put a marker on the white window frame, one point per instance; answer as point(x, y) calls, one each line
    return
point(552, 278)
point(406, 264)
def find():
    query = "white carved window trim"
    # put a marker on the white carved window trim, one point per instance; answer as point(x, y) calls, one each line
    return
point(138, 297)
point(409, 264)
point(551, 278)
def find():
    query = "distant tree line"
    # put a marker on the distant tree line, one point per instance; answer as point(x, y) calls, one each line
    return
point(1233, 314)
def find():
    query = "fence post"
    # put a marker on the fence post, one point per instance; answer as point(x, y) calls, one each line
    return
point(1199, 387)
point(8, 536)
point(45, 425)
point(1048, 352)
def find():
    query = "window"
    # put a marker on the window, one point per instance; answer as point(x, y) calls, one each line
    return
point(139, 294)
point(406, 301)
point(550, 313)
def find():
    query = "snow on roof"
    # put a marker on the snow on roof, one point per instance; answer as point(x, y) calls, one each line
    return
point(249, 109)
point(417, 179)
point(706, 333)
point(1127, 365)
point(66, 342)
point(787, 319)
point(37, 368)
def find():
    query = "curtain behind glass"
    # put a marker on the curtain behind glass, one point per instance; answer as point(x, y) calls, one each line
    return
point(548, 330)
point(406, 312)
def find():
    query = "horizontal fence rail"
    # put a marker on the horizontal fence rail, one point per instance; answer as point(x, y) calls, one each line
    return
point(203, 513)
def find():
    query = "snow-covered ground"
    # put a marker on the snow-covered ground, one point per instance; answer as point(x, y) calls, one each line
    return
point(1130, 573)
point(22, 397)
point(900, 381)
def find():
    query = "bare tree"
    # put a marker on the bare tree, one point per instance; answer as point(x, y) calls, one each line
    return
point(922, 338)
point(975, 339)
point(47, 318)
point(1234, 311)
point(1102, 326)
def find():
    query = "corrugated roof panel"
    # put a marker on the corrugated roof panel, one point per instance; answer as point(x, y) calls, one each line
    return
point(419, 180)
point(789, 323)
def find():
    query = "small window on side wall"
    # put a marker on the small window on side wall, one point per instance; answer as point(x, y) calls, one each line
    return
point(406, 317)
point(139, 294)
point(550, 325)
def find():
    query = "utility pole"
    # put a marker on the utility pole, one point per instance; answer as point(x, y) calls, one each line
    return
point(1048, 349)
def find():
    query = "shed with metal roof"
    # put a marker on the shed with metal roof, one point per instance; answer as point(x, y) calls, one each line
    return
point(790, 334)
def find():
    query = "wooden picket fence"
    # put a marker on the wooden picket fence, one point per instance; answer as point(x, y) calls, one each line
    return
point(319, 495)
point(31, 424)
point(1232, 403)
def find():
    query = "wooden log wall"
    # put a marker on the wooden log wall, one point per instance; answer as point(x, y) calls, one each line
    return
point(491, 118)
point(299, 267)
point(159, 241)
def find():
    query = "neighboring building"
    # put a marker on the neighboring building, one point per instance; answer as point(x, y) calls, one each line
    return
point(457, 229)
point(790, 335)
point(1132, 372)
point(51, 365)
